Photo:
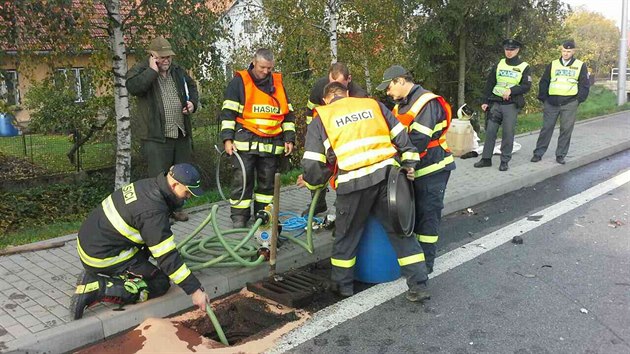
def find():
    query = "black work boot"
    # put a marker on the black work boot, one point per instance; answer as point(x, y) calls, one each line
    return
point(239, 222)
point(503, 166)
point(95, 288)
point(319, 208)
point(418, 293)
point(483, 163)
point(85, 295)
point(343, 290)
point(180, 216)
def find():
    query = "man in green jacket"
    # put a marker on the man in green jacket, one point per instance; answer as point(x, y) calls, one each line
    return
point(166, 98)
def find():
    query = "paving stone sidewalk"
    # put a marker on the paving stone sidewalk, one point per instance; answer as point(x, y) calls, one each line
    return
point(35, 287)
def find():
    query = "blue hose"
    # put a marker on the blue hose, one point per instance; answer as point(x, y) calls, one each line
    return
point(295, 223)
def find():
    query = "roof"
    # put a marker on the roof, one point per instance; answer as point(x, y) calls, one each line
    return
point(97, 28)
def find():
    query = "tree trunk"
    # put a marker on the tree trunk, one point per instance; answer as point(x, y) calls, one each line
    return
point(121, 98)
point(366, 72)
point(82, 140)
point(332, 10)
point(461, 85)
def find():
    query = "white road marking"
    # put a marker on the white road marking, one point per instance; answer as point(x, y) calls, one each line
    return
point(364, 301)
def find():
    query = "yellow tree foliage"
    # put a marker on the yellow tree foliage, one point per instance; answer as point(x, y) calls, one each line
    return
point(597, 40)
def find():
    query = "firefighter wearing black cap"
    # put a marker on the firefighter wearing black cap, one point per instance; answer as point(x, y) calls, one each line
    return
point(364, 140)
point(427, 117)
point(129, 226)
point(257, 120)
point(338, 72)
point(563, 86)
point(508, 81)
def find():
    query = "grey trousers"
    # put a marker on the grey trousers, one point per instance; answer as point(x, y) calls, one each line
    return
point(505, 115)
point(161, 156)
point(353, 210)
point(551, 113)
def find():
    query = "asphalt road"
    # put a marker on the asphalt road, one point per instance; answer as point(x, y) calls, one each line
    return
point(566, 289)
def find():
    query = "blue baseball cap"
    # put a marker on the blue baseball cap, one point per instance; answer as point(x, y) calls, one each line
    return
point(187, 175)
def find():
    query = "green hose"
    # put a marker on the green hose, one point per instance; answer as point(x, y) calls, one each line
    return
point(217, 325)
point(211, 250)
point(217, 251)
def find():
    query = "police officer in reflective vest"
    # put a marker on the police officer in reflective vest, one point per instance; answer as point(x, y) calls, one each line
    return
point(257, 120)
point(508, 81)
point(427, 117)
point(129, 226)
point(338, 72)
point(563, 86)
point(365, 141)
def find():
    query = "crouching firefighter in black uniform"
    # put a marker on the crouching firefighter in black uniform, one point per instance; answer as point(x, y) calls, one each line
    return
point(364, 139)
point(118, 237)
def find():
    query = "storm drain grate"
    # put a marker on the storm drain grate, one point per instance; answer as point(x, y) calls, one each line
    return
point(295, 289)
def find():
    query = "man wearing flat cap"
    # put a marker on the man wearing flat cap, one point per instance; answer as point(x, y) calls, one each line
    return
point(563, 86)
point(166, 97)
point(508, 81)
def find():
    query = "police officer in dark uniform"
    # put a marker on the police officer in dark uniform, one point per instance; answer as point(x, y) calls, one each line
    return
point(338, 72)
point(563, 86)
point(118, 237)
point(508, 81)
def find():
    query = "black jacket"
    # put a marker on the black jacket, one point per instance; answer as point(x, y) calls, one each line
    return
point(145, 206)
point(142, 82)
point(517, 91)
point(583, 87)
point(316, 97)
point(431, 115)
point(235, 91)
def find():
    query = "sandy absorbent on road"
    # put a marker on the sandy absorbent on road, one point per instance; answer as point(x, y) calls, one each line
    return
point(181, 334)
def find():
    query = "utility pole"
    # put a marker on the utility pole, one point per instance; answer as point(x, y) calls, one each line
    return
point(623, 56)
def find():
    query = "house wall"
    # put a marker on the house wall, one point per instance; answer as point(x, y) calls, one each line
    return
point(38, 71)
point(240, 44)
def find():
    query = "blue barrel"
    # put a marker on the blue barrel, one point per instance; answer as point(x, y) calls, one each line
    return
point(6, 126)
point(376, 258)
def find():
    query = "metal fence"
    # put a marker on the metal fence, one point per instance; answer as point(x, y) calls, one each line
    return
point(28, 156)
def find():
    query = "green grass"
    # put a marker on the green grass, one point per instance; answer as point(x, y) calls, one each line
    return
point(39, 233)
point(207, 197)
point(49, 152)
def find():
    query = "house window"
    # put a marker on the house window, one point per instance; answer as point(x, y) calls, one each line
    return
point(9, 87)
point(248, 26)
point(80, 80)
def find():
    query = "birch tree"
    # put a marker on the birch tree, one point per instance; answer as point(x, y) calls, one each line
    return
point(121, 97)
